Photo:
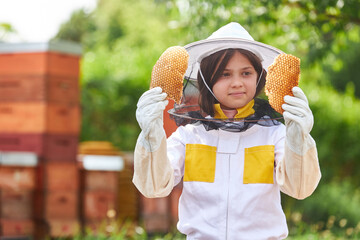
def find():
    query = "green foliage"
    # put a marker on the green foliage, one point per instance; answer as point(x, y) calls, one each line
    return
point(78, 28)
point(343, 71)
point(336, 130)
point(106, 112)
point(331, 211)
point(304, 27)
point(111, 229)
point(299, 230)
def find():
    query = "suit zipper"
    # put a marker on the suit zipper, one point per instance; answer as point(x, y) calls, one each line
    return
point(227, 200)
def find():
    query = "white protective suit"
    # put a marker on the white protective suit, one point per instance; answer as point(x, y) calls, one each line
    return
point(231, 180)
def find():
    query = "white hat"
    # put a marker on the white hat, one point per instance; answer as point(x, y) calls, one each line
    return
point(232, 35)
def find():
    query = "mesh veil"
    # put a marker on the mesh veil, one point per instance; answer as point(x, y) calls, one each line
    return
point(189, 112)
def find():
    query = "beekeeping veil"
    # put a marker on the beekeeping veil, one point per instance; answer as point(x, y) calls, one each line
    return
point(230, 36)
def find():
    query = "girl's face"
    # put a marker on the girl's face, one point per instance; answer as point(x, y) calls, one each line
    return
point(236, 86)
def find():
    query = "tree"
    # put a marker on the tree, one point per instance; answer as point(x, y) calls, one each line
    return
point(78, 28)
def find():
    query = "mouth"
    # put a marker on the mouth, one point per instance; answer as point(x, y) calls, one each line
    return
point(237, 94)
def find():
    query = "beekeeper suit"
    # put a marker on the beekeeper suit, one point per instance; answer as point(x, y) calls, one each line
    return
point(231, 180)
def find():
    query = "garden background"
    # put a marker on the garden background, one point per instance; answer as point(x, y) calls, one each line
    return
point(123, 39)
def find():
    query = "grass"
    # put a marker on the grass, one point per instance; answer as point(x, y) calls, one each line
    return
point(333, 229)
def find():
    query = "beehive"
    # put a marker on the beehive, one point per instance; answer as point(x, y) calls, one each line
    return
point(17, 189)
point(40, 113)
point(106, 187)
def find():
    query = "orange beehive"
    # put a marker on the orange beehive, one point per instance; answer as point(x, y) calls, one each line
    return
point(40, 87)
point(155, 213)
point(107, 192)
point(39, 90)
point(40, 113)
point(20, 228)
point(17, 178)
point(39, 99)
point(63, 227)
point(99, 204)
point(57, 198)
point(16, 204)
point(39, 117)
point(49, 147)
point(103, 180)
point(57, 209)
point(128, 195)
point(59, 176)
point(17, 188)
point(55, 58)
point(58, 195)
point(61, 204)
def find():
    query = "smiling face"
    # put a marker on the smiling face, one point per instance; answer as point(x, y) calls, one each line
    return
point(236, 85)
point(213, 71)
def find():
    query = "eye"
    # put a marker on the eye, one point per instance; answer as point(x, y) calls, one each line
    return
point(225, 74)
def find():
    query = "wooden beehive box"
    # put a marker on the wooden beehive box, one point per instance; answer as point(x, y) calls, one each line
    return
point(155, 214)
point(60, 176)
point(55, 58)
point(17, 228)
point(63, 228)
point(16, 204)
point(39, 117)
point(40, 113)
point(58, 195)
point(128, 195)
point(50, 147)
point(35, 88)
point(40, 72)
point(106, 187)
point(39, 99)
point(18, 172)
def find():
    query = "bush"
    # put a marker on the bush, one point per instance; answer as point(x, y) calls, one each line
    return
point(332, 208)
point(336, 131)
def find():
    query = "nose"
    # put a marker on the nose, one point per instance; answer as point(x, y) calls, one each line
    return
point(237, 81)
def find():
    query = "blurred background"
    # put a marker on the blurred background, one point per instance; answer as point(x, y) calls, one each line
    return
point(116, 44)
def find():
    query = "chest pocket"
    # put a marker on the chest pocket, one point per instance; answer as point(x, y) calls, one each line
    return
point(259, 164)
point(200, 162)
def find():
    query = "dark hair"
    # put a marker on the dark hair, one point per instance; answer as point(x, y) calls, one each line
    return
point(212, 66)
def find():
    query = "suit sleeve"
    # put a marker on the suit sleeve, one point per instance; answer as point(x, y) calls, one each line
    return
point(298, 173)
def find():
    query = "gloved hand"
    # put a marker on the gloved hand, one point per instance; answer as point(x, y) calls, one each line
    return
point(298, 173)
point(299, 121)
point(149, 114)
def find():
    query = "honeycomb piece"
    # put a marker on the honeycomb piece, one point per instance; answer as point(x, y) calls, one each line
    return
point(283, 74)
point(169, 70)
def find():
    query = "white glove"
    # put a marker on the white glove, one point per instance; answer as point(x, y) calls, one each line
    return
point(299, 121)
point(149, 114)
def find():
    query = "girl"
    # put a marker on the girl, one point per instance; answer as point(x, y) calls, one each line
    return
point(233, 173)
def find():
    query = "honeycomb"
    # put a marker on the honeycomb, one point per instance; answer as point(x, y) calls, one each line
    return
point(169, 70)
point(283, 74)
